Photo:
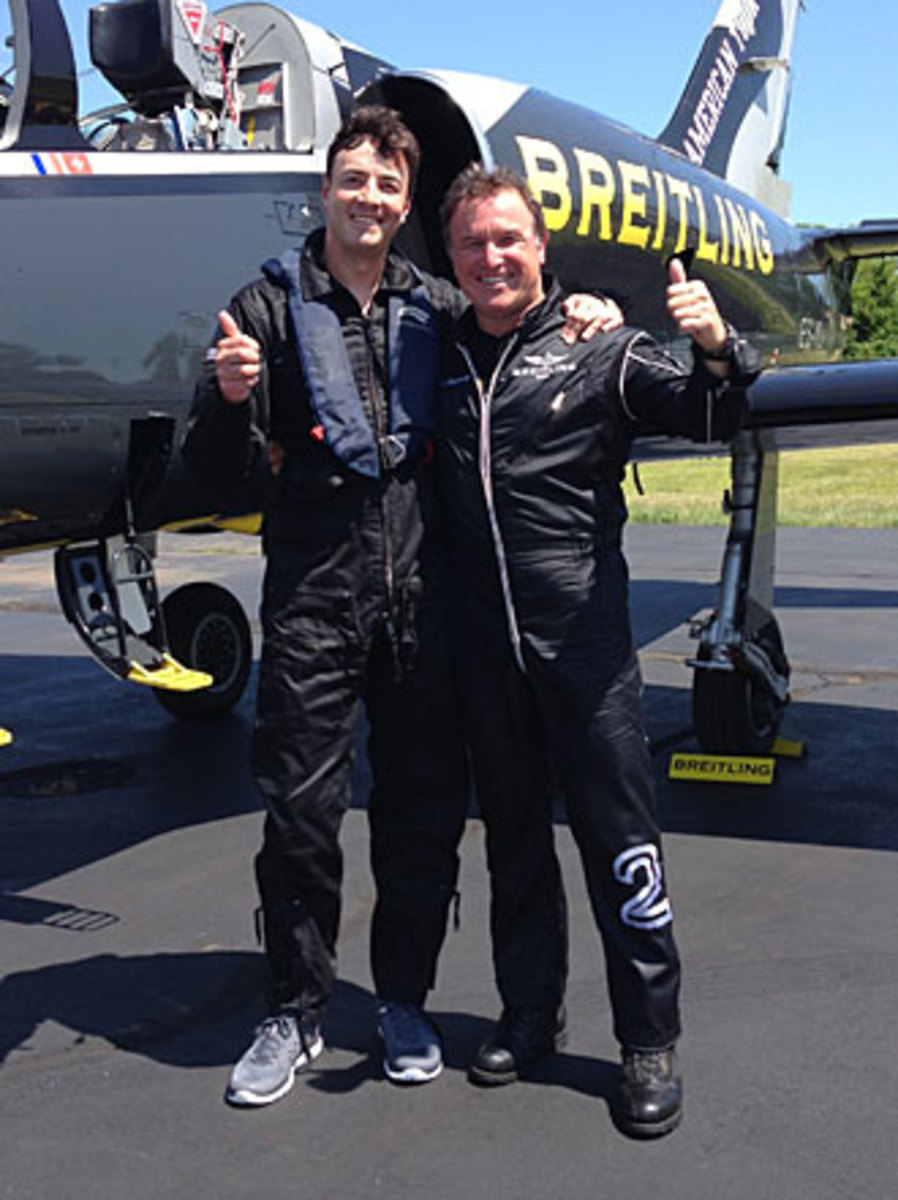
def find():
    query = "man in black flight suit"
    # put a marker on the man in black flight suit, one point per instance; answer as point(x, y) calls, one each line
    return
point(333, 358)
point(534, 438)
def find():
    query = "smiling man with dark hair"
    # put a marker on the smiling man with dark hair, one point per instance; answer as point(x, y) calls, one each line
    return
point(328, 365)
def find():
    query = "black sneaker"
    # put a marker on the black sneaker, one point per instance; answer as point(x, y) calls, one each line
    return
point(521, 1037)
point(282, 1046)
point(650, 1099)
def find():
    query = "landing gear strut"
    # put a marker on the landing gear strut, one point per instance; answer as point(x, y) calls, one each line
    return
point(741, 683)
point(194, 649)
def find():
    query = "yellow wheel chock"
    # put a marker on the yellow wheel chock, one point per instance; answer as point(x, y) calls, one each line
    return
point(170, 675)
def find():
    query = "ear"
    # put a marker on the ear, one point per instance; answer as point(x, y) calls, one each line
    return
point(325, 188)
point(544, 241)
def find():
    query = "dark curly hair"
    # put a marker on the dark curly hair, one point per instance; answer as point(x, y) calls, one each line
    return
point(386, 129)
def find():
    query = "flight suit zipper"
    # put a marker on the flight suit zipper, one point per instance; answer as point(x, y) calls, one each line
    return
point(485, 399)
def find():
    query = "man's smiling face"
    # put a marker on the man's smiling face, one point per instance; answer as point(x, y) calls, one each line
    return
point(366, 199)
point(498, 257)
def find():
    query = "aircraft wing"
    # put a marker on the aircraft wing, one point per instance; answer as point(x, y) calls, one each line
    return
point(826, 394)
point(869, 239)
point(847, 402)
point(829, 404)
point(834, 394)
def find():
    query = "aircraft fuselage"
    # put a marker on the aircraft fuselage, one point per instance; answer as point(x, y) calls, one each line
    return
point(115, 263)
point(113, 280)
point(617, 205)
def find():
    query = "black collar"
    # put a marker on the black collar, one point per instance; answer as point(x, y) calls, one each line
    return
point(317, 281)
point(547, 310)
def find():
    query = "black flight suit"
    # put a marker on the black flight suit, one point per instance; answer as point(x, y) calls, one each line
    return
point(534, 438)
point(353, 610)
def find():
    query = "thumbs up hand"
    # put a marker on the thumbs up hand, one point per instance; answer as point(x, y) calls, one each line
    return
point(238, 361)
point(692, 308)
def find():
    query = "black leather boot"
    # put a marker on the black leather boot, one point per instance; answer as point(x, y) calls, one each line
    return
point(650, 1100)
point(521, 1036)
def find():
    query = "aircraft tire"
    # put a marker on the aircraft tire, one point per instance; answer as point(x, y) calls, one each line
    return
point(734, 713)
point(207, 630)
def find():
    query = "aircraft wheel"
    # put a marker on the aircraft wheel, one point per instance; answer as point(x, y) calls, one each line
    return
point(734, 712)
point(208, 630)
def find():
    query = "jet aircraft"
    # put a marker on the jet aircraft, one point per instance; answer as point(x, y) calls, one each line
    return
point(122, 233)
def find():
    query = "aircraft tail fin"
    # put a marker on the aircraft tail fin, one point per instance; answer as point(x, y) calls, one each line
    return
point(731, 117)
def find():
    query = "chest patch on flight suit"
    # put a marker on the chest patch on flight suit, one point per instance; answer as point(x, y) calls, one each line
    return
point(543, 366)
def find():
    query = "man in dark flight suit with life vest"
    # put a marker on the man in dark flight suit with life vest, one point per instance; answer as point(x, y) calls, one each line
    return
point(333, 357)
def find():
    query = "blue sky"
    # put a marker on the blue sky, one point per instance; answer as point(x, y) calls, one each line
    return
point(629, 60)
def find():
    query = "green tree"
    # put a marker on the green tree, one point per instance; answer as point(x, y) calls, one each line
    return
point(874, 301)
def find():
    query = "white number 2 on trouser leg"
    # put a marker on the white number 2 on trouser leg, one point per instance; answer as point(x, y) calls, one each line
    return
point(640, 868)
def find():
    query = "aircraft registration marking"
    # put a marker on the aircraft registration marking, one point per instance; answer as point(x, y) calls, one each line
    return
point(62, 163)
point(162, 165)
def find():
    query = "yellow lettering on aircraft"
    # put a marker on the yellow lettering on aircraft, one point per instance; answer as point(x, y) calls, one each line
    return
point(761, 243)
point(596, 191)
point(547, 174)
point(628, 203)
point(724, 232)
point(741, 234)
point(682, 194)
point(706, 249)
point(633, 228)
point(661, 214)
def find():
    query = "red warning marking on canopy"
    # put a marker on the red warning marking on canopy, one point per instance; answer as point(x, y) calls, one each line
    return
point(193, 14)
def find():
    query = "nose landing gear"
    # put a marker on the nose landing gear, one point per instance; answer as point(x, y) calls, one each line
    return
point(207, 631)
point(741, 682)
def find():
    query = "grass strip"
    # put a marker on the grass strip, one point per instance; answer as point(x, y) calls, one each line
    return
point(850, 487)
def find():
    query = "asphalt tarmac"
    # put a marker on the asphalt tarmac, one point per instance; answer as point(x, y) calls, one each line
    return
point(131, 978)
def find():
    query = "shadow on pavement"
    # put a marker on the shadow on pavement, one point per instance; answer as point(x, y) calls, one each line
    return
point(185, 1010)
point(135, 1003)
point(148, 775)
point(199, 1010)
point(841, 793)
point(659, 605)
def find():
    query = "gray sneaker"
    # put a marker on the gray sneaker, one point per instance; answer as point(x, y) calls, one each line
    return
point(282, 1046)
point(412, 1051)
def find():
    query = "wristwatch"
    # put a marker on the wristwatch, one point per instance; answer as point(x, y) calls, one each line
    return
point(726, 351)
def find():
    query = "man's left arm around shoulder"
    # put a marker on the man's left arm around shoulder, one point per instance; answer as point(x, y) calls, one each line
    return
point(587, 314)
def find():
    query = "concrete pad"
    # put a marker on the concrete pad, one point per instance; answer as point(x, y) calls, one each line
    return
point(131, 979)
